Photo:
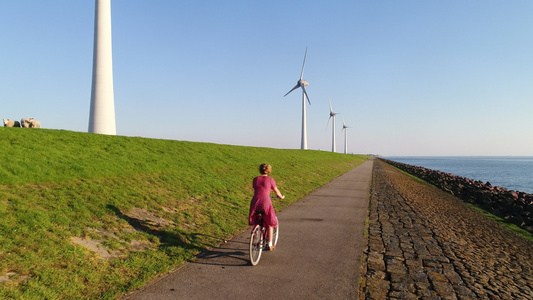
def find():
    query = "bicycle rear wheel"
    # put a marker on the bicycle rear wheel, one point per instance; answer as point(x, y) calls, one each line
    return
point(275, 234)
point(255, 245)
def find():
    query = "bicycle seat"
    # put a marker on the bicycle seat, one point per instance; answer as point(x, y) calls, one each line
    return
point(258, 218)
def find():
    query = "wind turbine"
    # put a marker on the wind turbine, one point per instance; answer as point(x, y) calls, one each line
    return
point(332, 115)
point(302, 83)
point(344, 127)
point(102, 114)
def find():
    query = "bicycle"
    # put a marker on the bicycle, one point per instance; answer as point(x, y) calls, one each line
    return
point(259, 239)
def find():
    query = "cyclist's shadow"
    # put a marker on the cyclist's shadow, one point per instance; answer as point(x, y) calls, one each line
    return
point(231, 253)
point(166, 237)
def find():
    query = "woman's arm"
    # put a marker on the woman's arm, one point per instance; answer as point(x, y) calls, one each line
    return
point(278, 193)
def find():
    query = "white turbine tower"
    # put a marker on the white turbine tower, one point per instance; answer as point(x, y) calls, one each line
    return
point(102, 115)
point(344, 127)
point(302, 83)
point(332, 115)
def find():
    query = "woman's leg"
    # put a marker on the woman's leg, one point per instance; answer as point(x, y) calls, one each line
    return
point(270, 233)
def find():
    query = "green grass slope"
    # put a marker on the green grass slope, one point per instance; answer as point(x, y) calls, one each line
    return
point(94, 216)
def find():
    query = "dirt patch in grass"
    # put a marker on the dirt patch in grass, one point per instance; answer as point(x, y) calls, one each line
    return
point(98, 239)
point(147, 217)
point(96, 247)
point(13, 278)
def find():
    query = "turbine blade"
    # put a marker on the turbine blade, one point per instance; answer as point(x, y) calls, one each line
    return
point(303, 88)
point(328, 122)
point(330, 108)
point(303, 66)
point(295, 87)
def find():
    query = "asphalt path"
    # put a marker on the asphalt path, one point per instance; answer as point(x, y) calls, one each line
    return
point(318, 255)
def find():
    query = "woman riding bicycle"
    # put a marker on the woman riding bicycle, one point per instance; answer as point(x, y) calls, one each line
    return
point(261, 202)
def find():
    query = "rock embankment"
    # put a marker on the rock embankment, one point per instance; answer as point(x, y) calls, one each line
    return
point(424, 243)
point(513, 206)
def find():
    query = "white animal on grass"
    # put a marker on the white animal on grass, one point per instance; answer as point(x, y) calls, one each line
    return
point(11, 123)
point(35, 124)
point(25, 122)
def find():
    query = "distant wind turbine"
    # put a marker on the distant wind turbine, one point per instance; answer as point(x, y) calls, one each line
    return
point(332, 115)
point(344, 127)
point(302, 83)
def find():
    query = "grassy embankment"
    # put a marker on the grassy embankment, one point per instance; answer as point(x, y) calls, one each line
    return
point(94, 216)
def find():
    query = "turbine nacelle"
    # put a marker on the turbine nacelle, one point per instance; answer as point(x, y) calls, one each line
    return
point(344, 126)
point(332, 114)
point(301, 83)
point(345, 129)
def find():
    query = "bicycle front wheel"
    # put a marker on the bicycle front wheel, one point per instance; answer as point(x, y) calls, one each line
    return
point(255, 245)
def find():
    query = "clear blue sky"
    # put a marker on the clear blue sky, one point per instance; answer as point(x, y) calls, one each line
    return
point(409, 77)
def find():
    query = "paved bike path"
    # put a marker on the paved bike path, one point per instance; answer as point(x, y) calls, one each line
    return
point(318, 254)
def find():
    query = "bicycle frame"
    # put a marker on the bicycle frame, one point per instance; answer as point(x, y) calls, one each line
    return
point(264, 230)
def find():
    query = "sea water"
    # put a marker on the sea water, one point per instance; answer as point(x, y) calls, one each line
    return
point(512, 172)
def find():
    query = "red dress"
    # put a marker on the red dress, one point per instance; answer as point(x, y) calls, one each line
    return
point(262, 202)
